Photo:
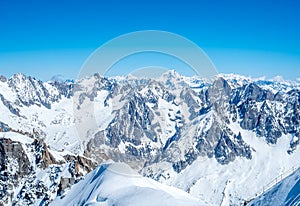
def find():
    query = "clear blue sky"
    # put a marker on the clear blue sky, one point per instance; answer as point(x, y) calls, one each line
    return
point(250, 37)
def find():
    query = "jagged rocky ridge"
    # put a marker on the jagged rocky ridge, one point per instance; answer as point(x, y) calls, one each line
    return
point(203, 129)
point(139, 122)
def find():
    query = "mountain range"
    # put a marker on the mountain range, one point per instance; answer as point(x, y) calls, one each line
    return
point(221, 140)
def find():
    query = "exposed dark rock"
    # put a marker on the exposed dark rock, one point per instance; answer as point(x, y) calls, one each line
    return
point(4, 127)
point(13, 151)
point(3, 78)
point(80, 162)
point(43, 157)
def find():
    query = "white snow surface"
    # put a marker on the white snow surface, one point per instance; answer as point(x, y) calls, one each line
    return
point(117, 184)
point(16, 137)
point(286, 192)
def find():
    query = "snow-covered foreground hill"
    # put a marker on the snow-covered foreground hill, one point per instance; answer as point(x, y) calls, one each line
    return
point(221, 140)
point(117, 184)
point(286, 192)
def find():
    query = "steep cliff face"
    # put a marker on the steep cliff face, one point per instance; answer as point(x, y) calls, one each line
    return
point(14, 165)
point(12, 151)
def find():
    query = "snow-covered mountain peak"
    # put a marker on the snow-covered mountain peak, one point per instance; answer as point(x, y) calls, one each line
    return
point(171, 74)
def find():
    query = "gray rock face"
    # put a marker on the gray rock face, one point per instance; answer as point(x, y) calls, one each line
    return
point(260, 111)
point(4, 127)
point(14, 165)
point(13, 151)
point(131, 122)
point(228, 149)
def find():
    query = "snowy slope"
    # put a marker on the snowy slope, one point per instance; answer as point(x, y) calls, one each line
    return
point(286, 192)
point(117, 184)
point(27, 104)
point(234, 183)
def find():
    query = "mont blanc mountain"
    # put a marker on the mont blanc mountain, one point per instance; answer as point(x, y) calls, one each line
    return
point(188, 140)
